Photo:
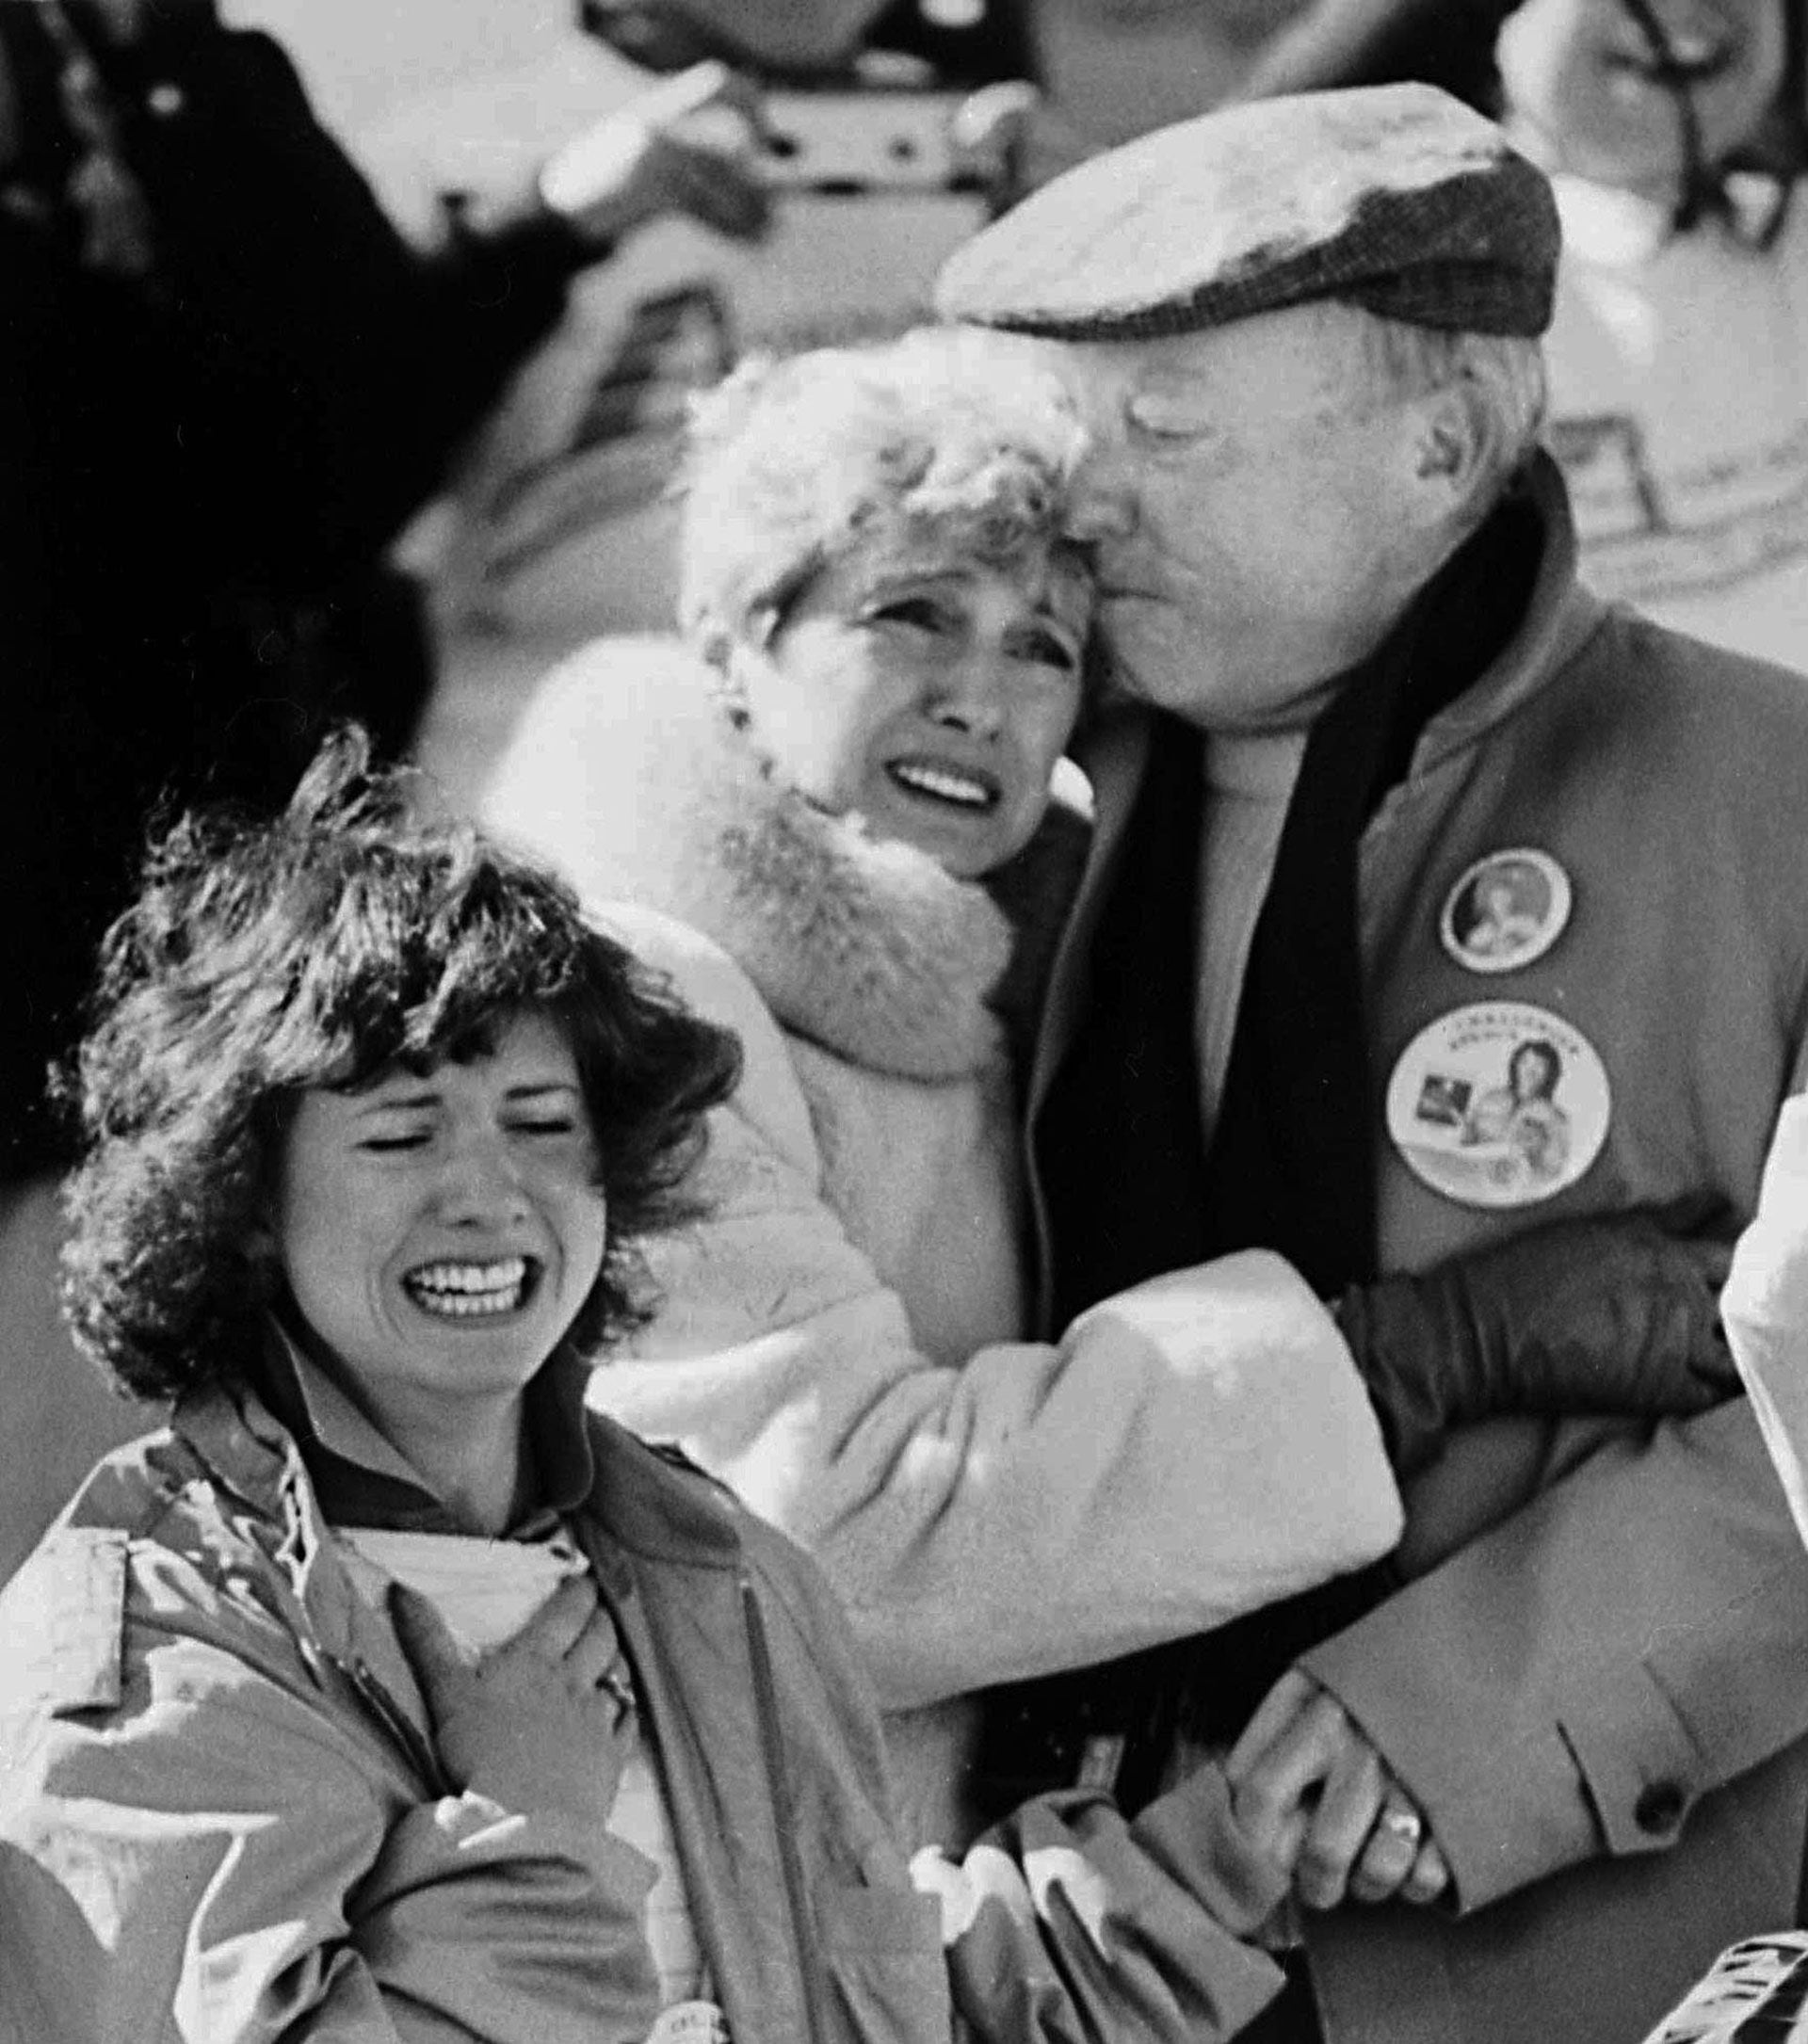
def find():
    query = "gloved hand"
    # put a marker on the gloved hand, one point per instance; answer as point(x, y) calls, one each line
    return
point(1598, 1316)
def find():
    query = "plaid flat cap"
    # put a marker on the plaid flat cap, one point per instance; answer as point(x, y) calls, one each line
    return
point(1398, 197)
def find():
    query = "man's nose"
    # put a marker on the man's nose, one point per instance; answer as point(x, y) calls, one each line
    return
point(1102, 503)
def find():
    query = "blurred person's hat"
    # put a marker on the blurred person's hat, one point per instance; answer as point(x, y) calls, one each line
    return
point(1397, 198)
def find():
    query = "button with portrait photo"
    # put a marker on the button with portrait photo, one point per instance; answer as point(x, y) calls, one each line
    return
point(1498, 1105)
point(1505, 911)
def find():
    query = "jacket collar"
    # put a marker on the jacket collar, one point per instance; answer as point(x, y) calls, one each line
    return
point(363, 1479)
point(1560, 618)
point(259, 1492)
point(655, 1503)
point(641, 1498)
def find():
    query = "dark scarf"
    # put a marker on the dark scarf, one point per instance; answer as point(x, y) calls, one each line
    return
point(1292, 1163)
point(1131, 1189)
point(1292, 1166)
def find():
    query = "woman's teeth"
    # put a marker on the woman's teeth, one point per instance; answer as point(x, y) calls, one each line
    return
point(944, 783)
point(467, 1291)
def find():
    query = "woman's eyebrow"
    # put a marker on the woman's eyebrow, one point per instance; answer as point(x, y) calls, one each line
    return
point(388, 1100)
point(900, 581)
point(537, 1088)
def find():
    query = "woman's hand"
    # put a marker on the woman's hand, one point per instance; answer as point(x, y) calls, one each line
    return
point(1310, 1790)
point(543, 1722)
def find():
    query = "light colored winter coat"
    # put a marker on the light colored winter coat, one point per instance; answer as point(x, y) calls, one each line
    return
point(222, 1821)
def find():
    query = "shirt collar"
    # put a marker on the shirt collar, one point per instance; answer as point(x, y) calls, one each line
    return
point(363, 1479)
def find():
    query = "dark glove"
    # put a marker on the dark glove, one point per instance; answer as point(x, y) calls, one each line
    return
point(1602, 1316)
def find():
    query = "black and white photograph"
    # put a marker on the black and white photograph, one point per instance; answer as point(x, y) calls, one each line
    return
point(904, 1089)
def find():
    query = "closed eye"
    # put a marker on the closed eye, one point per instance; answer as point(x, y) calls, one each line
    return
point(1046, 649)
point(1158, 416)
point(380, 1145)
point(920, 613)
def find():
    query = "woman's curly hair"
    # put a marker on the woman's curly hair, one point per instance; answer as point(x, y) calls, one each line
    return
point(317, 948)
point(945, 433)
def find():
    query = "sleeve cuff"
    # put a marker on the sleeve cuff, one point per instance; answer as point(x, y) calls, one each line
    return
point(1194, 1830)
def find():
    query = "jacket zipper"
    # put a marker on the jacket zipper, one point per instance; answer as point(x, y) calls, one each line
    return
point(371, 1692)
point(396, 1722)
point(772, 1740)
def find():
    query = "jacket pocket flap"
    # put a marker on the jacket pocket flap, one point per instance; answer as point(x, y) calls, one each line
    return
point(74, 1588)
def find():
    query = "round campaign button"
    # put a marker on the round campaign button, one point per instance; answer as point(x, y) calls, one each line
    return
point(1505, 911)
point(1498, 1105)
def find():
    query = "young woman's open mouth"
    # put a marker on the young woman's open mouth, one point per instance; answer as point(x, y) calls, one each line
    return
point(472, 1289)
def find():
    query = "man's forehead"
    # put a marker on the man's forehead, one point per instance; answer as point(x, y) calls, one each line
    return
point(1281, 354)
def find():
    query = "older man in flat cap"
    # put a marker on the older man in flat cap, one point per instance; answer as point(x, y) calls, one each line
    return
point(1431, 898)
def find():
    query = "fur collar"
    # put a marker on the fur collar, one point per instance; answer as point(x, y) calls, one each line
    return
point(867, 949)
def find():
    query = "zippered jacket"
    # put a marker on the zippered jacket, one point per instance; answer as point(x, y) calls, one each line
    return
point(221, 1819)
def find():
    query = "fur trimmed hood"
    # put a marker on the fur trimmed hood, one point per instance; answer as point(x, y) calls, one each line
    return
point(628, 776)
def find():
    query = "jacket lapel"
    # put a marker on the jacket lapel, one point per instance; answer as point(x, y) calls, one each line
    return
point(684, 1627)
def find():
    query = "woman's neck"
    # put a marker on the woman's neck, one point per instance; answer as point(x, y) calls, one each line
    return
point(473, 1454)
point(479, 1465)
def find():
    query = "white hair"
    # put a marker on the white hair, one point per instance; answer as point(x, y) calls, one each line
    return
point(949, 431)
point(1506, 368)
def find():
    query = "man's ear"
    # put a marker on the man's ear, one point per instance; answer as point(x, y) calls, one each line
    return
point(1457, 449)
